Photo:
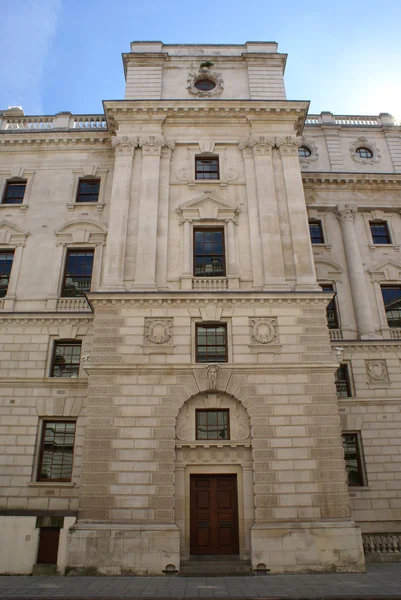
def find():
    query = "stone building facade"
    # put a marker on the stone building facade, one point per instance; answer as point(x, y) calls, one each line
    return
point(186, 360)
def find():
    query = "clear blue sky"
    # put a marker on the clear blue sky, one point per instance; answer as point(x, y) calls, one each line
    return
point(60, 55)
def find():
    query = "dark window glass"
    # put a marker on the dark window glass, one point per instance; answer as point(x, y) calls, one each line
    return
point(206, 168)
point(78, 273)
point(352, 457)
point(209, 255)
point(331, 310)
point(205, 85)
point(392, 305)
point(57, 451)
point(316, 232)
point(342, 382)
point(14, 192)
point(66, 357)
point(211, 343)
point(88, 190)
point(304, 152)
point(380, 232)
point(364, 152)
point(212, 425)
point(6, 262)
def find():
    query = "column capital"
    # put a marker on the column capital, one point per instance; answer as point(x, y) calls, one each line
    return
point(345, 213)
point(156, 145)
point(257, 145)
point(288, 145)
point(124, 145)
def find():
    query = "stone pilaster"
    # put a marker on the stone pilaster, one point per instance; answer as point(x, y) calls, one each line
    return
point(359, 291)
point(145, 274)
point(113, 276)
point(298, 218)
point(163, 217)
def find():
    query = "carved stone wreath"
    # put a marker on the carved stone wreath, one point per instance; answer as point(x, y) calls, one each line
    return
point(363, 142)
point(205, 73)
point(264, 330)
point(158, 331)
point(376, 370)
point(313, 149)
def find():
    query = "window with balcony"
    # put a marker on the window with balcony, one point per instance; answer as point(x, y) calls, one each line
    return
point(392, 305)
point(207, 168)
point(209, 254)
point(316, 231)
point(211, 343)
point(56, 451)
point(88, 190)
point(331, 310)
point(66, 359)
point(343, 383)
point(6, 263)
point(353, 459)
point(380, 232)
point(212, 425)
point(14, 192)
point(77, 273)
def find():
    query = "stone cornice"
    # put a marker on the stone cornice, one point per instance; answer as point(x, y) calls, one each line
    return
point(41, 141)
point(47, 382)
point(45, 318)
point(346, 179)
point(206, 110)
point(369, 345)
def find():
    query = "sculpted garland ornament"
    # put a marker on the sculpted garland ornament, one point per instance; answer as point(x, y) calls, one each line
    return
point(212, 80)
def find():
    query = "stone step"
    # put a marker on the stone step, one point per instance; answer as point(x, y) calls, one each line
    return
point(218, 567)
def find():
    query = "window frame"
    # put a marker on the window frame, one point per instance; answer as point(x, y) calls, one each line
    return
point(207, 159)
point(383, 286)
point(67, 342)
point(87, 180)
point(198, 411)
point(65, 274)
point(322, 236)
point(304, 155)
point(194, 255)
point(387, 228)
point(360, 459)
point(42, 434)
point(365, 149)
point(334, 303)
point(348, 383)
point(14, 182)
point(6, 251)
point(210, 325)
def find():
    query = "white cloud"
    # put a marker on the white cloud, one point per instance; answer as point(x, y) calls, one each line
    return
point(27, 28)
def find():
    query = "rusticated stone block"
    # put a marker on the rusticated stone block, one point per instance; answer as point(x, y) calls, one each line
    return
point(164, 432)
point(100, 466)
point(328, 476)
point(165, 490)
point(315, 431)
point(262, 432)
point(263, 489)
point(102, 379)
point(316, 358)
point(113, 340)
point(94, 514)
point(102, 350)
point(330, 464)
point(100, 411)
point(312, 321)
point(165, 422)
point(165, 516)
point(98, 454)
point(164, 411)
point(163, 455)
point(329, 442)
point(94, 490)
point(326, 420)
point(107, 331)
point(99, 421)
point(317, 348)
point(263, 454)
point(97, 502)
point(246, 391)
point(314, 311)
point(100, 401)
point(334, 487)
point(104, 390)
point(262, 466)
point(261, 477)
point(101, 432)
point(329, 499)
point(168, 467)
point(107, 310)
point(320, 388)
point(235, 382)
point(162, 501)
point(261, 444)
point(325, 399)
point(98, 444)
point(266, 501)
point(329, 409)
point(112, 360)
point(316, 329)
point(99, 478)
point(321, 377)
point(189, 383)
point(104, 322)
point(263, 514)
point(166, 444)
point(335, 511)
point(308, 339)
point(255, 411)
point(326, 452)
point(163, 478)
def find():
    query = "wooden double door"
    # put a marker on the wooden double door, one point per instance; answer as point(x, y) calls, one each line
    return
point(214, 514)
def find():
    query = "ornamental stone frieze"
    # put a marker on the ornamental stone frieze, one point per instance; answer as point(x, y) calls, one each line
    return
point(158, 332)
point(345, 213)
point(124, 144)
point(154, 145)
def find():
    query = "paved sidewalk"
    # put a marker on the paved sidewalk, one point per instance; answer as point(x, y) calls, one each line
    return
point(381, 580)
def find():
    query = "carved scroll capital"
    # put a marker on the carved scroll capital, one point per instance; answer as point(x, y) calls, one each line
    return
point(156, 145)
point(124, 145)
point(345, 213)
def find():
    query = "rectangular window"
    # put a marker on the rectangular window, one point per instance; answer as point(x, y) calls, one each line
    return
point(14, 192)
point(211, 343)
point(209, 255)
point(342, 379)
point(352, 456)
point(88, 190)
point(331, 310)
point(66, 358)
point(78, 273)
point(212, 425)
point(380, 232)
point(56, 451)
point(392, 305)
point(6, 262)
point(206, 168)
point(316, 232)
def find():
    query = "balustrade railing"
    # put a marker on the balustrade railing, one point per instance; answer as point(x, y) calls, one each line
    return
point(90, 122)
point(336, 334)
point(209, 283)
point(395, 334)
point(73, 304)
point(27, 123)
point(327, 118)
point(13, 123)
point(382, 544)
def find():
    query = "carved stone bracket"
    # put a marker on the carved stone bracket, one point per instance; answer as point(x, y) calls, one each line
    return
point(154, 145)
point(345, 213)
point(158, 332)
point(124, 144)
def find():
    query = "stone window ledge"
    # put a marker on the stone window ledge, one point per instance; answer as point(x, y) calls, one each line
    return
point(374, 247)
point(326, 247)
point(54, 484)
point(213, 444)
point(22, 207)
point(76, 205)
point(358, 488)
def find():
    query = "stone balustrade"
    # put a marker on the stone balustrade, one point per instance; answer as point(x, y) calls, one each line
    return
point(211, 284)
point(336, 334)
point(387, 546)
point(395, 334)
point(64, 120)
point(72, 304)
point(327, 118)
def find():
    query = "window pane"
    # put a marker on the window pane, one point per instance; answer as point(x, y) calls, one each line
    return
point(392, 305)
point(14, 192)
point(66, 359)
point(380, 233)
point(78, 273)
point(57, 451)
point(212, 424)
point(342, 382)
point(6, 262)
point(352, 459)
point(88, 190)
point(209, 259)
point(316, 232)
